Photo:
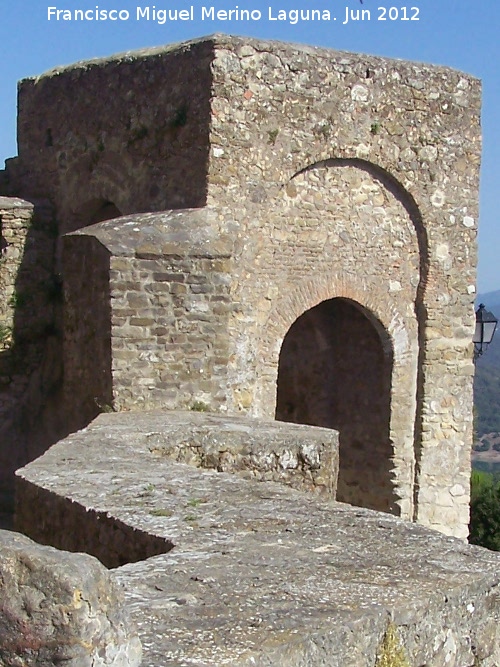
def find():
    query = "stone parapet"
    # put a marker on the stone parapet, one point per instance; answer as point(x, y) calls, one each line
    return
point(303, 457)
point(259, 573)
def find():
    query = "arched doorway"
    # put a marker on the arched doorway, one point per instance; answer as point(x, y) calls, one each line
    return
point(334, 371)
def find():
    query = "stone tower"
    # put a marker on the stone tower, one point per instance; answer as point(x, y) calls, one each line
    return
point(273, 229)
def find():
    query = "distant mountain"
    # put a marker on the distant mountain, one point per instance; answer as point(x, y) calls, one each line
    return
point(491, 301)
point(487, 378)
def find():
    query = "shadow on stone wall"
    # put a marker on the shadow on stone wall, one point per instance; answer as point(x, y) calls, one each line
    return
point(31, 362)
point(146, 151)
point(88, 383)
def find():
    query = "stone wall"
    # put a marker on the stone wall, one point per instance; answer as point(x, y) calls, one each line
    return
point(60, 607)
point(169, 334)
point(15, 221)
point(166, 284)
point(327, 175)
point(87, 331)
point(413, 131)
point(298, 456)
point(137, 141)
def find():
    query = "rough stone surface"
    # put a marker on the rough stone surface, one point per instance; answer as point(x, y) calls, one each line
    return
point(317, 177)
point(262, 574)
point(300, 456)
point(57, 608)
point(308, 255)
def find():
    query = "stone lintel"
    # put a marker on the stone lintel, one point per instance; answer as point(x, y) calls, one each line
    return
point(9, 203)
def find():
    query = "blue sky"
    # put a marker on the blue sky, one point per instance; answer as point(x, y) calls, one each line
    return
point(459, 33)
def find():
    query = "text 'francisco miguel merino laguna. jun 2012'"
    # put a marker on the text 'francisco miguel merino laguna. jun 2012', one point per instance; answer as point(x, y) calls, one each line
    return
point(208, 13)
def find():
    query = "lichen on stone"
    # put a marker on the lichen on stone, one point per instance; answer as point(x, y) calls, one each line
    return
point(391, 653)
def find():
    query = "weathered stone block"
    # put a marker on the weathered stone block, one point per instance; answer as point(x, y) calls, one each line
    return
point(57, 607)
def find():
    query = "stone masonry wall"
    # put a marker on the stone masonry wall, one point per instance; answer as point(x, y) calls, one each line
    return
point(137, 139)
point(277, 110)
point(260, 574)
point(164, 296)
point(15, 220)
point(169, 343)
point(335, 231)
point(16, 217)
point(30, 356)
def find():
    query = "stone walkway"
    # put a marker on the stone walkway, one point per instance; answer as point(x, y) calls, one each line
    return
point(256, 573)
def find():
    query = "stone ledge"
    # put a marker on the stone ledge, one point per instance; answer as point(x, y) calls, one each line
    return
point(8, 203)
point(232, 42)
point(179, 233)
point(262, 574)
point(304, 457)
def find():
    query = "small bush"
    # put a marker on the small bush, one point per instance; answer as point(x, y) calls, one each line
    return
point(485, 511)
point(199, 406)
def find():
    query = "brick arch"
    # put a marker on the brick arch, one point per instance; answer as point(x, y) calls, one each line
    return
point(397, 333)
point(403, 321)
point(309, 293)
point(397, 189)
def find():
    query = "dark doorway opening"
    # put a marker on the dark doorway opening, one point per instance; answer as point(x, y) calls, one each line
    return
point(92, 212)
point(334, 371)
point(105, 210)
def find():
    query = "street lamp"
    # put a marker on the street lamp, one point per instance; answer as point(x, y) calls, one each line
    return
point(486, 324)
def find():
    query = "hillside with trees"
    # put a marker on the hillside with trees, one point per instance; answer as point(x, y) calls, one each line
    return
point(485, 488)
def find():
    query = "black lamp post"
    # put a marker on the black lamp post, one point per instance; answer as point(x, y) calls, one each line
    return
point(486, 324)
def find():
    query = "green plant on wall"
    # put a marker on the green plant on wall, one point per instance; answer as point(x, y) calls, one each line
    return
point(103, 406)
point(17, 300)
point(5, 336)
point(271, 137)
point(200, 406)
